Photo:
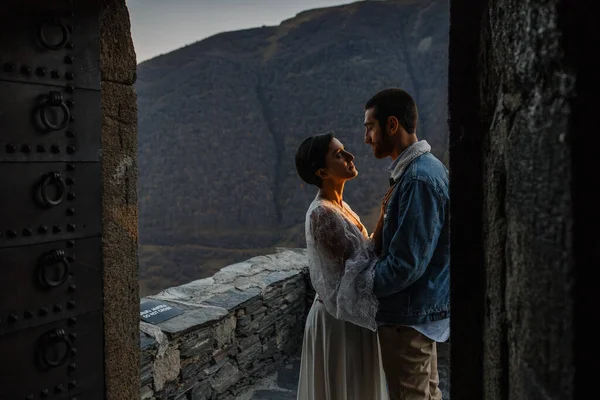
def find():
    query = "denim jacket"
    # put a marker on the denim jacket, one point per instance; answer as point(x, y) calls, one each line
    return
point(412, 278)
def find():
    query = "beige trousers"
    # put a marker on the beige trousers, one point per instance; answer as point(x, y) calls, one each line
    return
point(410, 363)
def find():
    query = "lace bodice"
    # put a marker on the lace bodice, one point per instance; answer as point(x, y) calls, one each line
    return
point(341, 262)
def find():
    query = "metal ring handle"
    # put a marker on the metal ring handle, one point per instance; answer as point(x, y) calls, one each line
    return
point(54, 99)
point(53, 178)
point(52, 259)
point(48, 342)
point(65, 35)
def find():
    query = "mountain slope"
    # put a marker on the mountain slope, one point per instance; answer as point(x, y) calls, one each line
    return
point(220, 121)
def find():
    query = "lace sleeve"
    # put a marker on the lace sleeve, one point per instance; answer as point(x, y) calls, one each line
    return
point(328, 231)
point(341, 265)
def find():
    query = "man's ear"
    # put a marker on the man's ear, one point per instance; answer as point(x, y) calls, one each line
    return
point(321, 173)
point(393, 125)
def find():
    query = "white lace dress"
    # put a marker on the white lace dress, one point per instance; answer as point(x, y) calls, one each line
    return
point(340, 360)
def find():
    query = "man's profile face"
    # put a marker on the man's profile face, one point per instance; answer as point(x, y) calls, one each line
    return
point(375, 135)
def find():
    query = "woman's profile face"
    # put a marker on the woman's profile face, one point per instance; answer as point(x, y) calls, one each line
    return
point(339, 165)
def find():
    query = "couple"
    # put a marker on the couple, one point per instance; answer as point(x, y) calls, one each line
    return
point(382, 300)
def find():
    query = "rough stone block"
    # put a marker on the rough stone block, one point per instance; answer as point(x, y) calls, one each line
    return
point(253, 306)
point(146, 342)
point(248, 341)
point(233, 299)
point(193, 369)
point(191, 319)
point(219, 355)
point(202, 391)
point(246, 357)
point(266, 331)
point(166, 368)
point(269, 348)
point(146, 393)
point(146, 371)
point(227, 376)
point(197, 347)
point(224, 332)
point(216, 367)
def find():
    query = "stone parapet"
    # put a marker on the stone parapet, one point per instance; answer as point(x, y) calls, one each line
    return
point(237, 327)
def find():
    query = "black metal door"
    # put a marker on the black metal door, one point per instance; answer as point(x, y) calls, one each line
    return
point(51, 325)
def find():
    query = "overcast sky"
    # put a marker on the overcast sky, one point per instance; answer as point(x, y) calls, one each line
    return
point(160, 26)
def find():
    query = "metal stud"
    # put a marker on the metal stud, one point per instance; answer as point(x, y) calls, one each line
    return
point(57, 308)
point(69, 76)
point(26, 148)
point(11, 234)
point(45, 393)
point(55, 74)
point(70, 103)
point(73, 352)
point(72, 320)
point(72, 367)
point(9, 67)
point(71, 243)
point(70, 180)
point(72, 288)
point(13, 318)
point(43, 311)
point(40, 71)
point(11, 148)
point(41, 148)
point(70, 167)
point(71, 227)
point(72, 118)
point(70, 149)
point(71, 259)
point(69, 60)
point(70, 88)
point(70, 211)
point(59, 388)
point(43, 229)
point(71, 196)
point(55, 148)
point(25, 70)
point(71, 304)
point(73, 336)
point(30, 397)
point(27, 232)
point(28, 314)
point(70, 45)
point(72, 384)
point(56, 229)
point(70, 134)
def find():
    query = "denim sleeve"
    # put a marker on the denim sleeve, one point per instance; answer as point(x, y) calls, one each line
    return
point(420, 222)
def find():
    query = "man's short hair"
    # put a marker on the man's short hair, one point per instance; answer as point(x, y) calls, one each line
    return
point(394, 102)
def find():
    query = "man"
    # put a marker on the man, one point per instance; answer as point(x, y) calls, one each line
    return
point(412, 277)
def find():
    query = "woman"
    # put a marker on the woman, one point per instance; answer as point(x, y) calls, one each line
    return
point(340, 360)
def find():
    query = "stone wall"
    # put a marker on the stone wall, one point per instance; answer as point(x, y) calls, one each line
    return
point(237, 327)
point(119, 216)
point(512, 106)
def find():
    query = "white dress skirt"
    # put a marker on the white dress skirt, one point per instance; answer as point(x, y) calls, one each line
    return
point(340, 360)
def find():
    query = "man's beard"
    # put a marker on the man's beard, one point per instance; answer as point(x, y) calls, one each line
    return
point(384, 148)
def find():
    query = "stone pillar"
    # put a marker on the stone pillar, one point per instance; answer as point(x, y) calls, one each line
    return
point(520, 101)
point(120, 228)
